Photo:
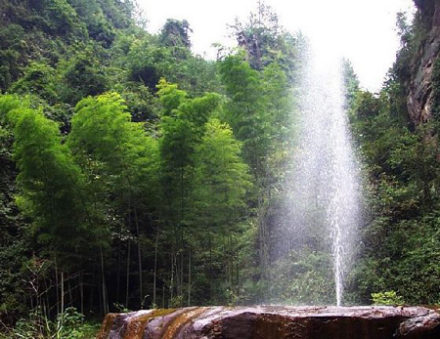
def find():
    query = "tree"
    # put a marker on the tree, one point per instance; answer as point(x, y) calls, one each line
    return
point(258, 36)
point(13, 243)
point(222, 184)
point(182, 127)
point(175, 33)
point(51, 190)
point(259, 112)
point(82, 76)
point(11, 54)
point(38, 79)
point(265, 41)
point(119, 160)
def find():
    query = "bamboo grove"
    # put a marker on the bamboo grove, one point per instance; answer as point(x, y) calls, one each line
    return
point(136, 174)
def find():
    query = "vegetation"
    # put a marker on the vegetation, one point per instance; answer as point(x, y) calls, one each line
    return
point(389, 298)
point(400, 249)
point(134, 174)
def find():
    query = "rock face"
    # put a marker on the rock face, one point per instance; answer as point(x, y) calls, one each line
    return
point(420, 94)
point(275, 322)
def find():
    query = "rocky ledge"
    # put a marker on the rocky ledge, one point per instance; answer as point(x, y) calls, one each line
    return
point(420, 94)
point(274, 322)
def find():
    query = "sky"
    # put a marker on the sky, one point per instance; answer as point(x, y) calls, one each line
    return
point(363, 31)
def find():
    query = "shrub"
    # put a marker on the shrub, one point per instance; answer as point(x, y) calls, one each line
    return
point(390, 298)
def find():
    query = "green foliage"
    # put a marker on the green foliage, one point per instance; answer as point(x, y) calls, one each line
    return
point(39, 79)
point(49, 181)
point(175, 33)
point(168, 192)
point(148, 63)
point(170, 96)
point(70, 325)
point(121, 150)
point(182, 126)
point(42, 31)
point(402, 193)
point(220, 166)
point(351, 84)
point(222, 179)
point(260, 104)
point(265, 42)
point(83, 75)
point(303, 278)
point(402, 164)
point(390, 298)
point(103, 18)
point(172, 188)
point(183, 122)
point(246, 108)
point(149, 60)
point(142, 104)
point(14, 252)
point(108, 111)
point(60, 18)
point(259, 109)
point(12, 51)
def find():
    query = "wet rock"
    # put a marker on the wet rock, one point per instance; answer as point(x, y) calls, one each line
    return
point(275, 322)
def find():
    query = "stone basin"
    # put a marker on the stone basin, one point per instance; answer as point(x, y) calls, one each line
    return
point(274, 322)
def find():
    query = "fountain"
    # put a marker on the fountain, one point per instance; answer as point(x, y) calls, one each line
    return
point(325, 173)
point(321, 209)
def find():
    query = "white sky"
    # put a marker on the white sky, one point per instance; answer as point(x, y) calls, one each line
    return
point(361, 30)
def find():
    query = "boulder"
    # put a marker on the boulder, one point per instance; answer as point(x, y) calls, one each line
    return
point(275, 322)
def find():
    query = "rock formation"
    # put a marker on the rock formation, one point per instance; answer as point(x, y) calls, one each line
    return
point(275, 322)
point(420, 93)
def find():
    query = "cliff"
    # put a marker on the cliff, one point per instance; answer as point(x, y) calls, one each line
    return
point(420, 92)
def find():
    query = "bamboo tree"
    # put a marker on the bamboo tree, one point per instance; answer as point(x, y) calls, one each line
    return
point(258, 111)
point(125, 152)
point(156, 248)
point(51, 187)
point(183, 126)
point(222, 184)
